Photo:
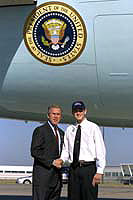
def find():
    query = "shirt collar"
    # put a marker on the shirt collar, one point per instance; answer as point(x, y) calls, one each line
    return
point(82, 123)
point(52, 125)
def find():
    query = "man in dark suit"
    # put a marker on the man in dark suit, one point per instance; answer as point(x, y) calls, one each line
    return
point(46, 146)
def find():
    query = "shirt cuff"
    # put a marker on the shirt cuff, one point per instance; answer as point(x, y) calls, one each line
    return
point(99, 171)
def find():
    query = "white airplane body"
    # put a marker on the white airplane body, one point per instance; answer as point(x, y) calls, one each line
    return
point(102, 76)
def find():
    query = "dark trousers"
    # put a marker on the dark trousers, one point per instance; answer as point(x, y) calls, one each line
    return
point(80, 183)
point(47, 193)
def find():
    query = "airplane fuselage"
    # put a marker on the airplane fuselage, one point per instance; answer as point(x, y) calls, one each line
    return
point(102, 76)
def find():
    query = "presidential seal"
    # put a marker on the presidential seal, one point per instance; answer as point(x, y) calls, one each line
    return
point(55, 33)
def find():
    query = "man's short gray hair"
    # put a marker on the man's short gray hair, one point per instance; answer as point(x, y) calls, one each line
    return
point(54, 106)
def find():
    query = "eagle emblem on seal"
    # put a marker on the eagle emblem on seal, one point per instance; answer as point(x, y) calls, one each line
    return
point(54, 30)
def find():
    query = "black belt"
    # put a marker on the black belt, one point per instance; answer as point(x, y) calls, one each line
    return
point(83, 163)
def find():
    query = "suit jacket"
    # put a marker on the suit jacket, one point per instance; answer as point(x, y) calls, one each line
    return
point(44, 150)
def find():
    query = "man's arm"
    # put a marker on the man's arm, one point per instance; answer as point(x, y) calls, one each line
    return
point(37, 148)
point(100, 156)
point(100, 151)
point(65, 151)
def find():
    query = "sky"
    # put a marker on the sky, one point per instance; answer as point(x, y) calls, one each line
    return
point(16, 135)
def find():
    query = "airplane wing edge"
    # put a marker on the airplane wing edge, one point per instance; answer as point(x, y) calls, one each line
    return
point(17, 2)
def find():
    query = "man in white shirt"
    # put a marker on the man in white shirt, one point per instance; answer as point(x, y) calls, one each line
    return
point(84, 148)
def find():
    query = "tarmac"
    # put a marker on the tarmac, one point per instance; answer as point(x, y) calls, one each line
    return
point(106, 192)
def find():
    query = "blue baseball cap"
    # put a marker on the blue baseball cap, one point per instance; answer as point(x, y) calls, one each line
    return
point(78, 105)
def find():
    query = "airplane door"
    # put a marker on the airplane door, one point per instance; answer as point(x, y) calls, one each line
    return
point(114, 58)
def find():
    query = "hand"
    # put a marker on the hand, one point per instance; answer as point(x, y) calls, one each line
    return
point(96, 179)
point(58, 163)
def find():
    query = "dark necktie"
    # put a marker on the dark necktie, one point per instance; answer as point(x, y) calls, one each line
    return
point(76, 149)
point(56, 134)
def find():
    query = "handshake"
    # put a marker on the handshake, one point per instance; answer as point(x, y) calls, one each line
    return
point(58, 163)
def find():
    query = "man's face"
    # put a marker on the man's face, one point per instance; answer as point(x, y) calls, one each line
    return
point(55, 115)
point(79, 115)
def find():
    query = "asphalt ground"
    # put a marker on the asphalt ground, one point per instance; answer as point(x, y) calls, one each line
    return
point(106, 192)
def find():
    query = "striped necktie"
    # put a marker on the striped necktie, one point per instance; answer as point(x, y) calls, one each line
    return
point(56, 134)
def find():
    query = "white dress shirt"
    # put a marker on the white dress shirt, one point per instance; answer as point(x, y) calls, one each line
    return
point(92, 146)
